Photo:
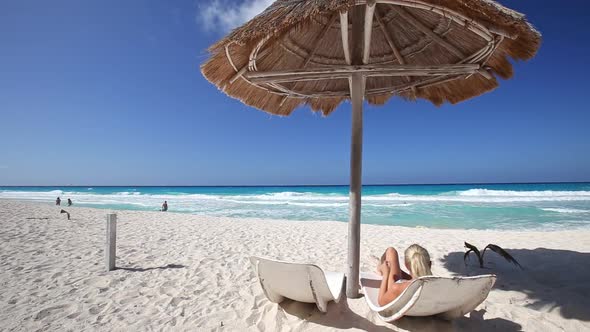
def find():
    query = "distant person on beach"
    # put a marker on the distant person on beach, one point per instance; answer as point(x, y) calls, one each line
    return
point(395, 280)
point(165, 206)
point(69, 202)
point(58, 201)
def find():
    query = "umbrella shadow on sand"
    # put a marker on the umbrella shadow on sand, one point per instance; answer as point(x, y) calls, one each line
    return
point(340, 316)
point(139, 269)
point(473, 322)
point(551, 279)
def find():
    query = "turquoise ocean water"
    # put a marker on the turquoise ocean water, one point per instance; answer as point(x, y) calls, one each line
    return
point(482, 206)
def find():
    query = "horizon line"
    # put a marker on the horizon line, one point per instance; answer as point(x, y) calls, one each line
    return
point(304, 185)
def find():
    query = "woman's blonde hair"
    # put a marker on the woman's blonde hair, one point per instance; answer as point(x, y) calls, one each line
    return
point(418, 261)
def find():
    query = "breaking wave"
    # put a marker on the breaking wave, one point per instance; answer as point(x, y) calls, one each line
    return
point(308, 198)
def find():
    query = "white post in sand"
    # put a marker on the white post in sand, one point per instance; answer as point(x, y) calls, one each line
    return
point(110, 249)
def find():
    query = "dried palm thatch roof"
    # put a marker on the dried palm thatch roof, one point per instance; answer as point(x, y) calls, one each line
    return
point(298, 52)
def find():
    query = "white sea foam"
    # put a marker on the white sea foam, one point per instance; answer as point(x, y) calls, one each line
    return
point(31, 195)
point(565, 210)
point(447, 207)
point(511, 193)
point(306, 198)
point(471, 195)
point(294, 203)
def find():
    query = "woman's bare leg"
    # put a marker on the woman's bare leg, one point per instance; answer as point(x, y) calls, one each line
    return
point(395, 271)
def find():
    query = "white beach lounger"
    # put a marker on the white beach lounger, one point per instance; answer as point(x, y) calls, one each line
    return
point(299, 282)
point(448, 298)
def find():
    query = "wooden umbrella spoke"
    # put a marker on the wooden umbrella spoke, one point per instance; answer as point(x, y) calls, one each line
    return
point(393, 46)
point(311, 54)
point(318, 40)
point(464, 21)
point(244, 69)
point(339, 72)
point(404, 14)
point(344, 35)
point(368, 31)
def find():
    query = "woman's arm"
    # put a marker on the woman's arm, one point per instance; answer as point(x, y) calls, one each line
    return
point(391, 277)
point(391, 271)
point(383, 288)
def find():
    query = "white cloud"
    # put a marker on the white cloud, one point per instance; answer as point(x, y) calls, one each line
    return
point(225, 15)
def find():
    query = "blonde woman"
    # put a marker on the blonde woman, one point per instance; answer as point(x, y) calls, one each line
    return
point(395, 280)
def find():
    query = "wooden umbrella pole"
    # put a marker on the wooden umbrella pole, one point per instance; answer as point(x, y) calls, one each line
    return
point(357, 82)
point(356, 155)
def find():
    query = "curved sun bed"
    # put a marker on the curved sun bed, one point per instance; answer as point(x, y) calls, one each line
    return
point(300, 282)
point(448, 298)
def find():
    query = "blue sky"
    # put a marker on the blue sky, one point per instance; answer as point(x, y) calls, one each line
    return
point(110, 93)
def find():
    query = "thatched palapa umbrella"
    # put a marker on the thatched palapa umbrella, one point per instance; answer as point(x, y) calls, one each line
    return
point(323, 52)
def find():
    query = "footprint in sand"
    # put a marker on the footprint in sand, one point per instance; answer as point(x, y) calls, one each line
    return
point(126, 300)
point(95, 310)
point(98, 282)
point(170, 291)
point(74, 315)
point(51, 311)
point(176, 300)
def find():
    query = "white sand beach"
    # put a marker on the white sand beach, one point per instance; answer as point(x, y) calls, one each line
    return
point(188, 272)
